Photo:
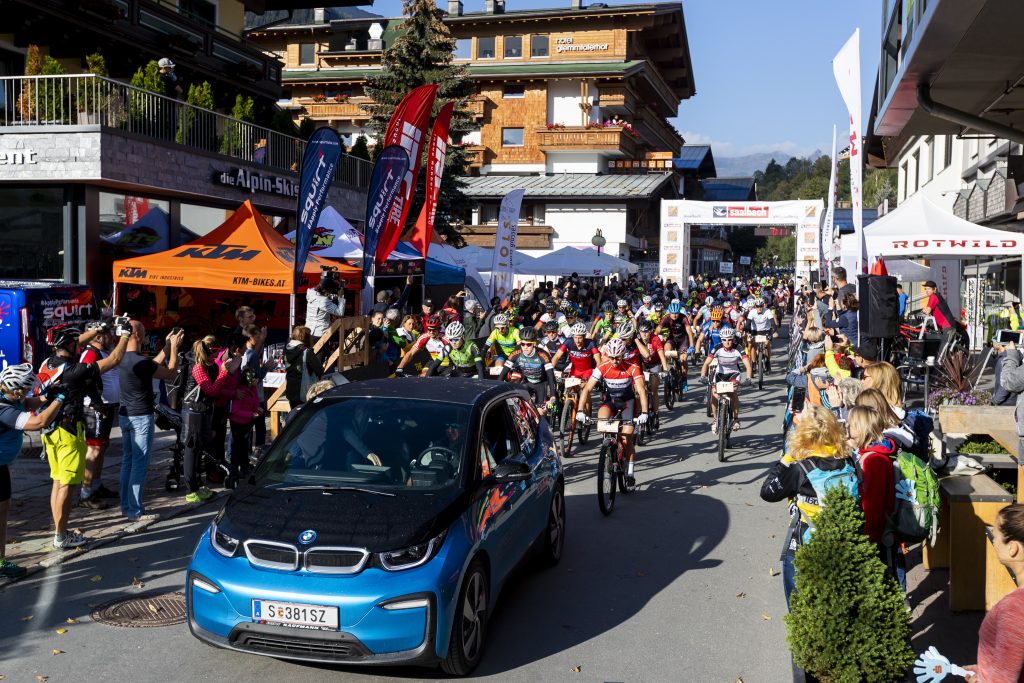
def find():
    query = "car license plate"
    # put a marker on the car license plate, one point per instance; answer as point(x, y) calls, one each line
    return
point(295, 615)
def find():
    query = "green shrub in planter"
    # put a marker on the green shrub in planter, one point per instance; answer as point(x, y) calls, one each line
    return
point(848, 622)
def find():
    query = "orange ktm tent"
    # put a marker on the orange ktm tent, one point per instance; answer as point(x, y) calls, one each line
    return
point(244, 254)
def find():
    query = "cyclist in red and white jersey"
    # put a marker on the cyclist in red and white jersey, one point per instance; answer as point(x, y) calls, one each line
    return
point(432, 340)
point(582, 352)
point(652, 356)
point(623, 387)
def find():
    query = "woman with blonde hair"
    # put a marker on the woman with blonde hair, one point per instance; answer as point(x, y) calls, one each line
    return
point(873, 398)
point(816, 443)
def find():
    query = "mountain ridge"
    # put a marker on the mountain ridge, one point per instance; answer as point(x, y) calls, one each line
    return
point(748, 164)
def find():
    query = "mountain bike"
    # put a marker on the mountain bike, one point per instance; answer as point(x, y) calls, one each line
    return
point(673, 380)
point(569, 429)
point(761, 351)
point(647, 430)
point(611, 465)
point(724, 418)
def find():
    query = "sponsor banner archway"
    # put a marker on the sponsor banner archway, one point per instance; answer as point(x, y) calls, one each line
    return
point(803, 217)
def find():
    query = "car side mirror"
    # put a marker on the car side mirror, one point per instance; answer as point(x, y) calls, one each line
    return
point(512, 471)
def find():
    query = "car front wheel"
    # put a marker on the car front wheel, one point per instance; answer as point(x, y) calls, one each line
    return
point(469, 626)
point(554, 534)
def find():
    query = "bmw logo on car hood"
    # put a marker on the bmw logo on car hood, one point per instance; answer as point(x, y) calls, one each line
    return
point(307, 537)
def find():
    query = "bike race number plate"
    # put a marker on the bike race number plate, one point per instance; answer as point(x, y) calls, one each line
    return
point(296, 615)
point(608, 426)
point(725, 387)
point(571, 382)
point(760, 339)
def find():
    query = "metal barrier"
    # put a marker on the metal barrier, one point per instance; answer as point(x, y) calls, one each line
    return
point(90, 100)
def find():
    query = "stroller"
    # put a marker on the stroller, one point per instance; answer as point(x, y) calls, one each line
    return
point(168, 418)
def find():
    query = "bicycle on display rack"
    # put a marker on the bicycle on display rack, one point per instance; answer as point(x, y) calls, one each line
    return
point(569, 429)
point(673, 380)
point(611, 465)
point(760, 352)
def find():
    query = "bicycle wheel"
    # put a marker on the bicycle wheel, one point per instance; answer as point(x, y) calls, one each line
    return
point(606, 477)
point(567, 427)
point(709, 399)
point(621, 473)
point(639, 435)
point(670, 394)
point(760, 372)
point(723, 429)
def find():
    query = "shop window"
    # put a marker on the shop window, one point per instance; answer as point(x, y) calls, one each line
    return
point(485, 47)
point(307, 53)
point(130, 225)
point(539, 46)
point(197, 220)
point(203, 11)
point(513, 91)
point(513, 47)
point(463, 48)
point(33, 223)
point(511, 137)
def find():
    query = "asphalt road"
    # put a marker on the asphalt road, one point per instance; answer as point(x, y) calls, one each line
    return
point(681, 583)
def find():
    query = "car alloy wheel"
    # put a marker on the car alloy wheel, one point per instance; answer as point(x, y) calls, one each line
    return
point(556, 527)
point(469, 625)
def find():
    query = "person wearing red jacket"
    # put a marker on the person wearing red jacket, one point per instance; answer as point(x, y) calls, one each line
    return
point(874, 454)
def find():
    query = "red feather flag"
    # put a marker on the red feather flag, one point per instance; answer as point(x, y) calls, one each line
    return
point(438, 148)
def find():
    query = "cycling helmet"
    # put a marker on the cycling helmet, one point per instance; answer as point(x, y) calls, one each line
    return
point(550, 326)
point(434, 322)
point(60, 335)
point(619, 319)
point(674, 308)
point(727, 333)
point(392, 314)
point(455, 332)
point(758, 301)
point(645, 326)
point(647, 300)
point(621, 303)
point(501, 320)
point(709, 300)
point(578, 330)
point(550, 306)
point(607, 307)
point(716, 313)
point(18, 377)
point(627, 330)
point(528, 334)
point(658, 306)
point(568, 307)
point(615, 348)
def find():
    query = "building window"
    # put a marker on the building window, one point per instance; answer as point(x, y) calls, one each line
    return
point(511, 137)
point(307, 53)
point(488, 213)
point(948, 155)
point(203, 11)
point(33, 246)
point(929, 167)
point(463, 48)
point(539, 46)
point(904, 179)
point(485, 47)
point(513, 47)
point(513, 91)
point(916, 172)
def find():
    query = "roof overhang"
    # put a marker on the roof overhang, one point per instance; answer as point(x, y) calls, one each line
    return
point(261, 6)
point(968, 53)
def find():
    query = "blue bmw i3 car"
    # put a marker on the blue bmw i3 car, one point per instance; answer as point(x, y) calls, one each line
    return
point(380, 525)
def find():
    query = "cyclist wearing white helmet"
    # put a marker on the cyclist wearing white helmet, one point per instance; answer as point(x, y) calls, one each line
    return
point(762, 320)
point(461, 358)
point(582, 352)
point(704, 311)
point(729, 360)
point(623, 386)
point(646, 308)
point(626, 331)
point(16, 418)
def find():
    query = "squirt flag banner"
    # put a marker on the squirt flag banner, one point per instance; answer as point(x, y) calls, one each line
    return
point(505, 243)
point(323, 151)
point(436, 152)
point(385, 183)
point(407, 129)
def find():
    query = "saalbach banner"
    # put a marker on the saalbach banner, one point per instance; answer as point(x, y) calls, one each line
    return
point(385, 182)
point(846, 67)
point(407, 128)
point(436, 152)
point(505, 244)
point(315, 175)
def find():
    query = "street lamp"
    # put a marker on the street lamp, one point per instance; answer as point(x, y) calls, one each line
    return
point(598, 240)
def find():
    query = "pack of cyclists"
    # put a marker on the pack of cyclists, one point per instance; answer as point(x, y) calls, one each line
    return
point(619, 341)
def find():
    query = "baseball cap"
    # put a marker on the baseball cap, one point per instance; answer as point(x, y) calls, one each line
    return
point(930, 283)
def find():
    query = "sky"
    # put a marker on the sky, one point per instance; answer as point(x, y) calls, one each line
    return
point(763, 69)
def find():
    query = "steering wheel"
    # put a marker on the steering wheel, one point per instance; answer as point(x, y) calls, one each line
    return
point(437, 454)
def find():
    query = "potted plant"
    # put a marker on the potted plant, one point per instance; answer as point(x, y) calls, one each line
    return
point(49, 103)
point(847, 620)
point(94, 94)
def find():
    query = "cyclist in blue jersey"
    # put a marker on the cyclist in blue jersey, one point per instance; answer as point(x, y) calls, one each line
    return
point(534, 367)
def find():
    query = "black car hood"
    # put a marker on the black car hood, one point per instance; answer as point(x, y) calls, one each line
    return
point(341, 518)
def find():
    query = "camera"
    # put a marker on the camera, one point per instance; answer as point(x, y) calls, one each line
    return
point(123, 326)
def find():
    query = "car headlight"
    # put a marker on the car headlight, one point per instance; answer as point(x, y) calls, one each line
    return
point(222, 543)
point(413, 556)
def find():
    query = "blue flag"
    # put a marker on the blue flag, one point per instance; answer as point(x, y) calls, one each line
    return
point(315, 175)
point(386, 181)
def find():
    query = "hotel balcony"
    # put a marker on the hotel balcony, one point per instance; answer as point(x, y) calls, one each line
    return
point(476, 105)
point(616, 99)
point(611, 140)
point(336, 111)
point(475, 155)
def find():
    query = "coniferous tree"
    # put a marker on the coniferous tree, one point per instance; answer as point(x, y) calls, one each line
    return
point(847, 620)
point(420, 55)
point(359, 148)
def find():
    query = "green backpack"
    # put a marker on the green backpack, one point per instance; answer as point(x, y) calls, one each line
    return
point(915, 517)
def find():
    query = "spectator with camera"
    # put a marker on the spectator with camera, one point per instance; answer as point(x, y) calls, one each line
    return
point(324, 302)
point(65, 375)
point(100, 416)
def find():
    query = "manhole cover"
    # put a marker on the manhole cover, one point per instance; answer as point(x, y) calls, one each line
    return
point(142, 611)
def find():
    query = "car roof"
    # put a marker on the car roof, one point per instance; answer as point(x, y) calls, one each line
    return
point(458, 390)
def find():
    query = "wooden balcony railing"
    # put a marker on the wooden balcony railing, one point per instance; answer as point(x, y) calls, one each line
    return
point(603, 138)
point(335, 110)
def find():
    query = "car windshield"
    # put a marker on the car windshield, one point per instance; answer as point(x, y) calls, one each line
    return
point(372, 444)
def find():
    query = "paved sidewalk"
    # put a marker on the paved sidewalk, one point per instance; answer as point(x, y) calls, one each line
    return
point(30, 523)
